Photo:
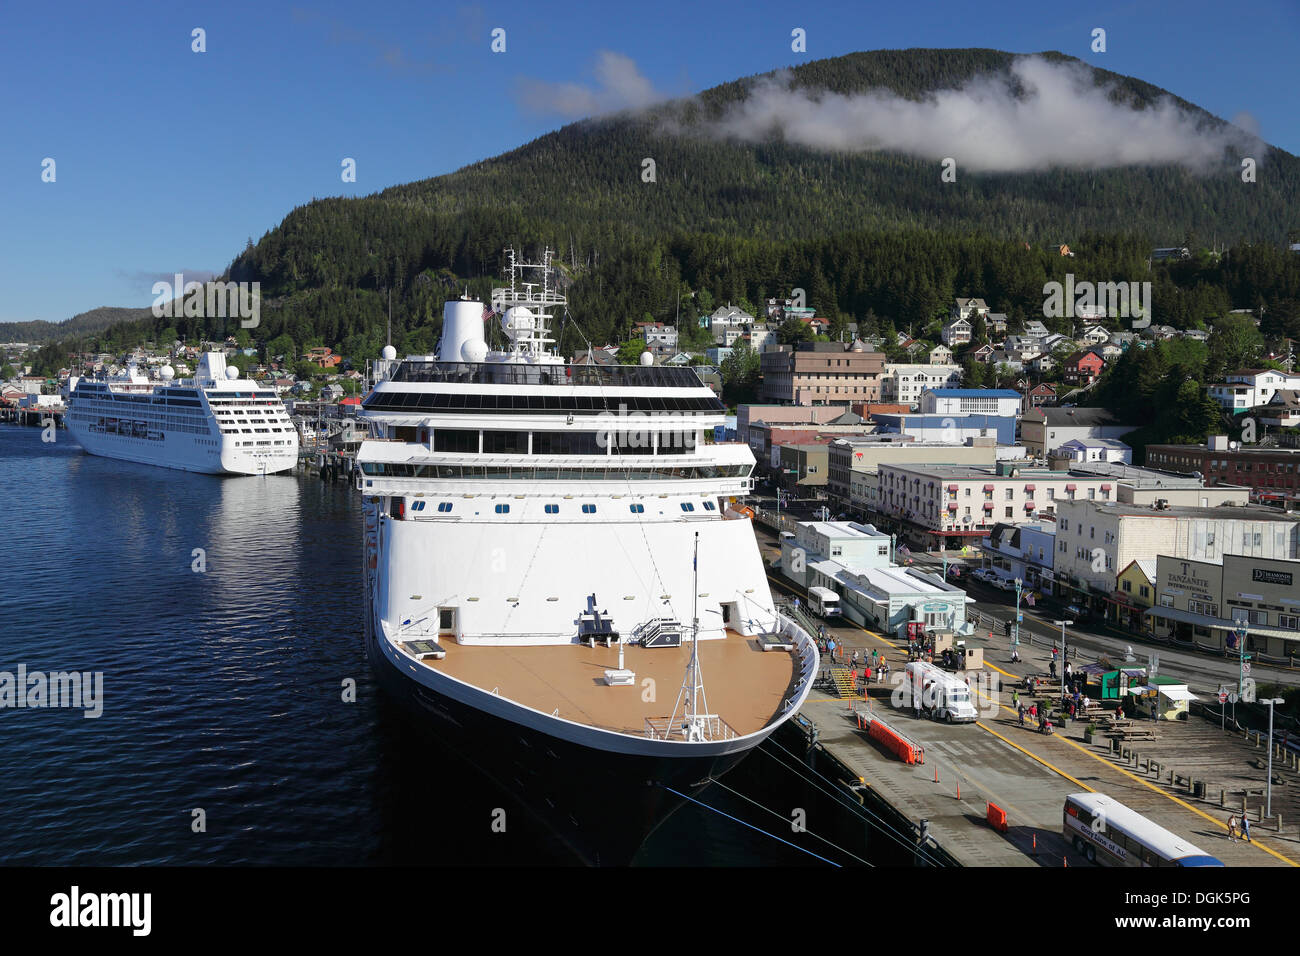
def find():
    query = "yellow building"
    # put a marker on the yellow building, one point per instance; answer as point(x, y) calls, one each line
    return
point(1134, 592)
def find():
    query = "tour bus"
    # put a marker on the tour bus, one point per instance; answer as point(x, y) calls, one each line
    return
point(824, 601)
point(942, 696)
point(1109, 833)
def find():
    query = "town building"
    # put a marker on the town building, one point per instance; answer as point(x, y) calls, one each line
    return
point(1096, 539)
point(949, 506)
point(1248, 387)
point(1206, 601)
point(854, 461)
point(856, 562)
point(804, 467)
point(1272, 474)
point(1045, 428)
point(1094, 449)
point(1083, 368)
point(1022, 552)
point(957, 333)
point(1001, 402)
point(905, 383)
point(941, 355)
point(658, 336)
point(820, 373)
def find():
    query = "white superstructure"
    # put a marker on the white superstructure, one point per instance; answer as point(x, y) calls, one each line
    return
point(215, 423)
point(531, 528)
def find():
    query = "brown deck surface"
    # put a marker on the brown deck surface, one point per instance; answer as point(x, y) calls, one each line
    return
point(744, 685)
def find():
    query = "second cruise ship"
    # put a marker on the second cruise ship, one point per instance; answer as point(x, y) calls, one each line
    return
point(216, 423)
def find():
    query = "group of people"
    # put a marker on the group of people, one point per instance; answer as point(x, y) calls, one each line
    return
point(1238, 828)
point(873, 664)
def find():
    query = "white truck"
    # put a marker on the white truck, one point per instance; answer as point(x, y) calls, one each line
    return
point(938, 695)
point(824, 602)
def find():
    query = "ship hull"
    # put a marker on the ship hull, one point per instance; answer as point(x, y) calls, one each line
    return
point(174, 453)
point(599, 803)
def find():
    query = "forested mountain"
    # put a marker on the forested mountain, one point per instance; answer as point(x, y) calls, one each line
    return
point(871, 236)
point(83, 324)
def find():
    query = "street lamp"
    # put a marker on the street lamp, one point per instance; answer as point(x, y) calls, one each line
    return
point(1268, 800)
point(1240, 631)
point(1063, 624)
point(1015, 641)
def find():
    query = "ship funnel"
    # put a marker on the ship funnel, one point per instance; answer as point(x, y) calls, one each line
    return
point(462, 321)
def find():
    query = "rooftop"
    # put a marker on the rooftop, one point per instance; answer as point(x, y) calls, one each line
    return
point(1224, 513)
point(974, 393)
point(844, 529)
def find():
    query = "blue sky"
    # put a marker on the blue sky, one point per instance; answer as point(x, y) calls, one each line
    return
point(169, 160)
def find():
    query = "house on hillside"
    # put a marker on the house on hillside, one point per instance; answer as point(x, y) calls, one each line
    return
point(1083, 368)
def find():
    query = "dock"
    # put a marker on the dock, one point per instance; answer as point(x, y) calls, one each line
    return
point(1027, 775)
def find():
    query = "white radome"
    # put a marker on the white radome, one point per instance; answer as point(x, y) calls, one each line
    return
point(167, 372)
point(232, 373)
point(647, 359)
point(389, 353)
point(517, 319)
point(474, 350)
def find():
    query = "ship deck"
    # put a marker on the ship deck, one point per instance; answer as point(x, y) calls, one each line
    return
point(744, 685)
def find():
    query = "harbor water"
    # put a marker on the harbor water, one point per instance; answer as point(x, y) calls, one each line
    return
point(240, 723)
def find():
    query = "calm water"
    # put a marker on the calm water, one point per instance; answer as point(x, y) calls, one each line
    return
point(223, 690)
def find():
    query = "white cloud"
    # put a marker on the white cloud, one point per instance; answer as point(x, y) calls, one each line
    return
point(1061, 119)
point(620, 85)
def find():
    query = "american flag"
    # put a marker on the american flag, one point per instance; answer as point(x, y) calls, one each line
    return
point(902, 549)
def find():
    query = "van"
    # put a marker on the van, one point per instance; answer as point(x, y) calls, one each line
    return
point(824, 602)
point(942, 696)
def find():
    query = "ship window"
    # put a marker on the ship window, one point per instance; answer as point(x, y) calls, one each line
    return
point(687, 506)
point(455, 440)
point(503, 509)
point(636, 509)
point(709, 506)
point(505, 443)
point(589, 509)
point(444, 506)
point(552, 509)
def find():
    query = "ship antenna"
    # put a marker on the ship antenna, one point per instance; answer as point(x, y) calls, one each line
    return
point(691, 698)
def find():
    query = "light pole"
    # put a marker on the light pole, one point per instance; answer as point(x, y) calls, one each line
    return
point(1015, 641)
point(1240, 632)
point(1268, 789)
point(1063, 624)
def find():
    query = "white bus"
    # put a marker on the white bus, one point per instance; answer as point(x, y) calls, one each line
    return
point(824, 602)
point(1107, 832)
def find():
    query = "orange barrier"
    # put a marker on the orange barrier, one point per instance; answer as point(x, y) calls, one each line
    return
point(895, 743)
point(997, 818)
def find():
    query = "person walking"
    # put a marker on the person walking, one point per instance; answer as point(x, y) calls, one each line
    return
point(830, 647)
point(1233, 829)
point(875, 657)
point(1245, 828)
point(1015, 697)
point(1020, 714)
point(854, 659)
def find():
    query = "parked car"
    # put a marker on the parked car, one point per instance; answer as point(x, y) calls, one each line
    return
point(1002, 583)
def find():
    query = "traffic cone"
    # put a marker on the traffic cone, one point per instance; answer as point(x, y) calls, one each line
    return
point(936, 773)
point(958, 789)
point(1035, 837)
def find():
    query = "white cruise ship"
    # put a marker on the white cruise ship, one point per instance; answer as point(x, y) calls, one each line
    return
point(554, 581)
point(216, 423)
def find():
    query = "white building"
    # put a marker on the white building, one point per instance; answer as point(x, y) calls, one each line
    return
point(1095, 449)
point(855, 562)
point(903, 384)
point(1095, 540)
point(1246, 388)
point(1002, 402)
